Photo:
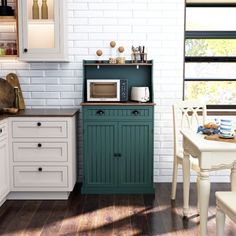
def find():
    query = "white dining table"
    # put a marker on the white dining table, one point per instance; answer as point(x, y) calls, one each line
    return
point(211, 155)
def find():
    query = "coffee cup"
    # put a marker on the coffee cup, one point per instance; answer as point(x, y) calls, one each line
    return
point(226, 127)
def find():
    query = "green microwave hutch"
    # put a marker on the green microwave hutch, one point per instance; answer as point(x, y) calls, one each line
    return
point(118, 136)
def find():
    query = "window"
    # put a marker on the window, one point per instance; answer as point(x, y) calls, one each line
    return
point(210, 52)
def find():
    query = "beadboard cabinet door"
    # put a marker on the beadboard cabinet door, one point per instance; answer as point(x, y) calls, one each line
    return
point(41, 39)
point(99, 160)
point(135, 162)
point(118, 157)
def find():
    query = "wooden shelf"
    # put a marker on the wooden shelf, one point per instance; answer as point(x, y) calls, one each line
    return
point(7, 19)
point(8, 57)
point(106, 63)
point(117, 104)
point(41, 22)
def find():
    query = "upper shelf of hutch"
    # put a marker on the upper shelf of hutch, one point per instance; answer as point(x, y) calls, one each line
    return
point(106, 63)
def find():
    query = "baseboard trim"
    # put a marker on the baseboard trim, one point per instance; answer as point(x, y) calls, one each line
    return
point(38, 195)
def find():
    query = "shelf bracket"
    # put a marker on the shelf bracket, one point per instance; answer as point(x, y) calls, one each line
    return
point(137, 67)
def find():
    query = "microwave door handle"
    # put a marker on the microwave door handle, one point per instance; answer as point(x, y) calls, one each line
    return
point(147, 93)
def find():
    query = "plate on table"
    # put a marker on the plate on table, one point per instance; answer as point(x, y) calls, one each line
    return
point(227, 136)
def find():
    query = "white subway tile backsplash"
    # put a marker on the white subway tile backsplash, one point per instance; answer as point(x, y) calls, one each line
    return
point(59, 88)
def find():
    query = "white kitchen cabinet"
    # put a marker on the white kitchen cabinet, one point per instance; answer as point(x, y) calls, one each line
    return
point(43, 157)
point(4, 162)
point(42, 39)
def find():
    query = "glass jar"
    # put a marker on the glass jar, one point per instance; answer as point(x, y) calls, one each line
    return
point(10, 49)
point(2, 49)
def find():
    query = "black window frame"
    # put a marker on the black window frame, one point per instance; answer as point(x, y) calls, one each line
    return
point(210, 59)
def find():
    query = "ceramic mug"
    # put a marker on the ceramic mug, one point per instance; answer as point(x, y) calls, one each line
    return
point(226, 127)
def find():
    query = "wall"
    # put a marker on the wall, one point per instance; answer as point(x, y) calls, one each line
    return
point(92, 24)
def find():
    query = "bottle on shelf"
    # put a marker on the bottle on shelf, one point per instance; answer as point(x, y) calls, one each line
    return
point(35, 10)
point(44, 10)
point(16, 102)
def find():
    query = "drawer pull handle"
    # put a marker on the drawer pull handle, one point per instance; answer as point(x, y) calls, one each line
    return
point(0, 131)
point(117, 155)
point(25, 50)
point(40, 169)
point(100, 112)
point(39, 145)
point(39, 124)
point(135, 112)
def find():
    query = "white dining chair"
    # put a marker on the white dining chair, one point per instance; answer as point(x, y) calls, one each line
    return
point(226, 205)
point(190, 115)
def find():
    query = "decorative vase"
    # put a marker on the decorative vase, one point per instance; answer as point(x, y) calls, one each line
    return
point(44, 9)
point(35, 10)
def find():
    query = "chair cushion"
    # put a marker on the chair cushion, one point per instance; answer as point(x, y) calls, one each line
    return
point(227, 200)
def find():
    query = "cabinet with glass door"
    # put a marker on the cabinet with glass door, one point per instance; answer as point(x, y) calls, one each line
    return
point(8, 29)
point(41, 29)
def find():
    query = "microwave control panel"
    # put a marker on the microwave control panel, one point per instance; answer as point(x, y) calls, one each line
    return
point(123, 90)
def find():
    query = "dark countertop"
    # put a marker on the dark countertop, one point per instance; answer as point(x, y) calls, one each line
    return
point(42, 113)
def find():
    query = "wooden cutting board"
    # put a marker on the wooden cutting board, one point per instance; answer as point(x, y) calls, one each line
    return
point(7, 94)
point(14, 81)
point(216, 137)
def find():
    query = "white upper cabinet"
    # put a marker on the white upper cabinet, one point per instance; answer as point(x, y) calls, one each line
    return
point(41, 30)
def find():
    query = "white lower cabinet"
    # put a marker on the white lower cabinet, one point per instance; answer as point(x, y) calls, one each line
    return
point(4, 162)
point(43, 157)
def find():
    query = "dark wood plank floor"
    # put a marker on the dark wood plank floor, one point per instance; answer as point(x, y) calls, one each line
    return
point(103, 215)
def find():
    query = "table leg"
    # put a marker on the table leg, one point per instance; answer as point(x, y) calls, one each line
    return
point(220, 222)
point(186, 183)
point(233, 178)
point(204, 194)
point(198, 193)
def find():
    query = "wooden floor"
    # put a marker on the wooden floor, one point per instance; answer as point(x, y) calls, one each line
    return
point(109, 215)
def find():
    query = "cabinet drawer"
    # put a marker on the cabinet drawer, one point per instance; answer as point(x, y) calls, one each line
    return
point(39, 129)
point(3, 130)
point(40, 176)
point(116, 113)
point(39, 151)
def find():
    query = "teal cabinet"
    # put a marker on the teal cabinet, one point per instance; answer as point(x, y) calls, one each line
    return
point(118, 154)
point(118, 136)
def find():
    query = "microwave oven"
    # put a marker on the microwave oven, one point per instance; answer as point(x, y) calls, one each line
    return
point(107, 90)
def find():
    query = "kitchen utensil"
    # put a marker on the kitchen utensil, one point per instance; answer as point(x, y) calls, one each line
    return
point(14, 81)
point(7, 95)
point(140, 94)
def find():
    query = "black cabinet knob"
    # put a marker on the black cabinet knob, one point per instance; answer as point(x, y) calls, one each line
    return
point(39, 145)
point(40, 169)
point(25, 50)
point(117, 155)
point(135, 112)
point(39, 124)
point(100, 112)
point(0, 131)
